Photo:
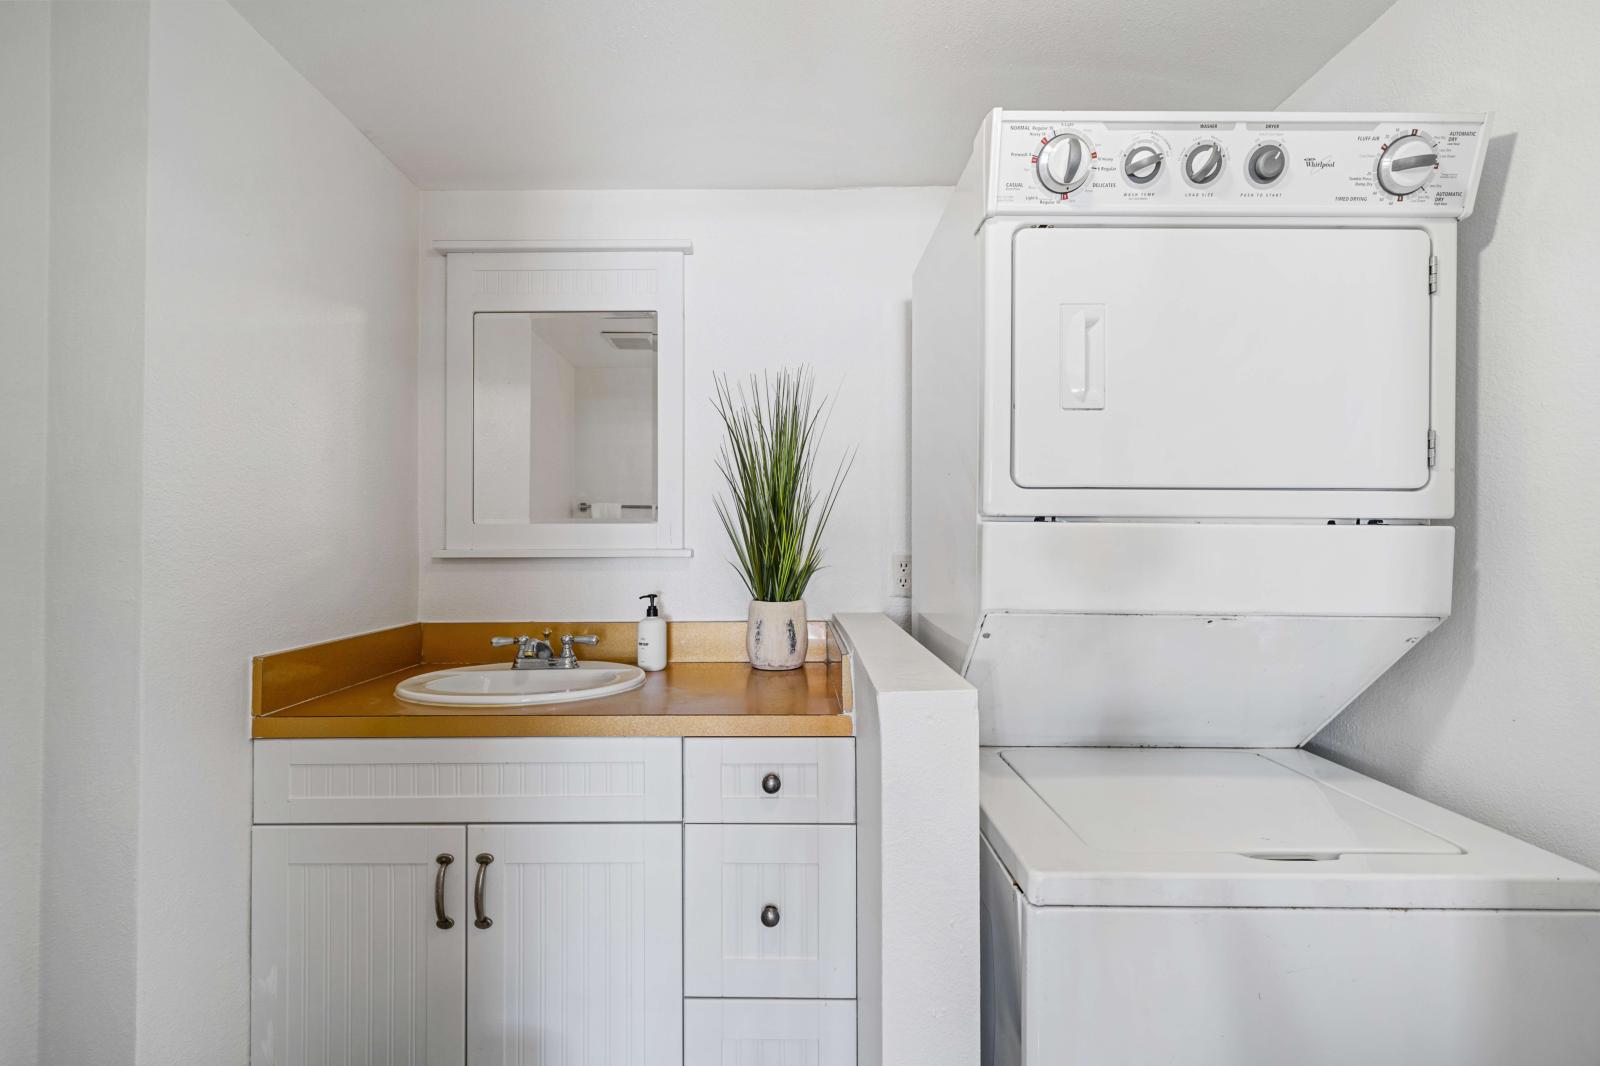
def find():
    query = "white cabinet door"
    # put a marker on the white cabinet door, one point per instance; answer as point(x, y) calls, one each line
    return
point(348, 960)
point(577, 953)
point(771, 911)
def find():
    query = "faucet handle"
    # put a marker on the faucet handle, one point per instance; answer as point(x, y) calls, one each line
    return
point(506, 642)
point(568, 640)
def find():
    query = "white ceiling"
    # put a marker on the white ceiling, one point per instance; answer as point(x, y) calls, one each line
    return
point(583, 94)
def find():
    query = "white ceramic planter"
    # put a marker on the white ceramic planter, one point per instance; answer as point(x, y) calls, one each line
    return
point(775, 634)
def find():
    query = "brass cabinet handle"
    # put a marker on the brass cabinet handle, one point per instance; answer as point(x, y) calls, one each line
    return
point(441, 919)
point(482, 921)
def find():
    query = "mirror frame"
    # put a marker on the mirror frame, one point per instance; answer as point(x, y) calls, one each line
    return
point(563, 276)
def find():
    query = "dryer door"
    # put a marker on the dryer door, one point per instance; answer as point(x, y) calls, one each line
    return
point(1220, 358)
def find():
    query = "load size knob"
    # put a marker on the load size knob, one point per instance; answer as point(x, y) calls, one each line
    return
point(1406, 165)
point(1141, 165)
point(1202, 163)
point(1065, 162)
point(1266, 164)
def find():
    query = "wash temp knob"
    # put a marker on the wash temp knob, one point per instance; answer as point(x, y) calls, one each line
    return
point(1142, 165)
point(1064, 162)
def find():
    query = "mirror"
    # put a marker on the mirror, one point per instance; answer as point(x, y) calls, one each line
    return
point(564, 417)
point(563, 399)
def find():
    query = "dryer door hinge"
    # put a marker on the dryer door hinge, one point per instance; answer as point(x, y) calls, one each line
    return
point(1433, 448)
point(1433, 274)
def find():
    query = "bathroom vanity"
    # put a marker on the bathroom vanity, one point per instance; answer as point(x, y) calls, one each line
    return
point(554, 899)
point(522, 899)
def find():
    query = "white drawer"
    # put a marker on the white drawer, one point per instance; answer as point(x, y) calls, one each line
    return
point(790, 780)
point(503, 779)
point(819, 1032)
point(805, 946)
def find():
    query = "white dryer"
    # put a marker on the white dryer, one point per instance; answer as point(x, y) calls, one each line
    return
point(1183, 455)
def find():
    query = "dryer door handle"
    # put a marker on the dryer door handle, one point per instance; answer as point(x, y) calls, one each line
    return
point(1083, 357)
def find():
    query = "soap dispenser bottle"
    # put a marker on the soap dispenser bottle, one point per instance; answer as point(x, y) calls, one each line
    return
point(652, 636)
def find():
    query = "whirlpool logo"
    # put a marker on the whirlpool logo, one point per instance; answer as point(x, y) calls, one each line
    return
point(1313, 163)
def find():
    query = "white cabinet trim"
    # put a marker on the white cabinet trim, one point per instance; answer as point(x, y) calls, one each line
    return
point(666, 245)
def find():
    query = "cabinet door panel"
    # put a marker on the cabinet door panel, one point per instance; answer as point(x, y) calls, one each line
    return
point(348, 964)
point(469, 779)
point(771, 911)
point(789, 780)
point(583, 961)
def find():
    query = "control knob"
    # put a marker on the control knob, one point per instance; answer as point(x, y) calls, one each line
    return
point(1142, 164)
point(1266, 164)
point(1064, 162)
point(1202, 163)
point(1407, 164)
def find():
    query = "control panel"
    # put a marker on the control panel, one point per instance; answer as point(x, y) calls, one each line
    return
point(1276, 163)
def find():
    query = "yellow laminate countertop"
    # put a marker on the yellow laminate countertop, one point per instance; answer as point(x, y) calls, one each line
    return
point(713, 699)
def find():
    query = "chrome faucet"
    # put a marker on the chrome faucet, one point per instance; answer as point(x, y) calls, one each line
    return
point(535, 653)
point(531, 651)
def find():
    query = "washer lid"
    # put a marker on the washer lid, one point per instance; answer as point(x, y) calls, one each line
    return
point(1210, 802)
point(1242, 827)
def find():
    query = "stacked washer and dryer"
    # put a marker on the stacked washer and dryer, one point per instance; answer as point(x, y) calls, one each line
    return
point(1183, 455)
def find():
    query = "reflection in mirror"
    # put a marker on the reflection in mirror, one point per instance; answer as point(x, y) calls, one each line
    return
point(564, 416)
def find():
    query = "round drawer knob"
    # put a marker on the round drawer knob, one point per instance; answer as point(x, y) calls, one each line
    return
point(771, 784)
point(769, 915)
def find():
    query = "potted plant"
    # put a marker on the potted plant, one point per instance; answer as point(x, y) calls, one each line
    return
point(773, 513)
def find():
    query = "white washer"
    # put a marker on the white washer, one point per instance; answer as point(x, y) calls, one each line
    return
point(1187, 906)
point(1183, 454)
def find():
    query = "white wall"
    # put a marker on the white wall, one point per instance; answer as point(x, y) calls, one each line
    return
point(279, 467)
point(1497, 715)
point(776, 278)
point(24, 383)
point(93, 500)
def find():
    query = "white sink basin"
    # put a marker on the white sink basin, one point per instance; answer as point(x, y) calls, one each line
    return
point(497, 685)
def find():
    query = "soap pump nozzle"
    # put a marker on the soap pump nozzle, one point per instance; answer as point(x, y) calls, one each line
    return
point(651, 611)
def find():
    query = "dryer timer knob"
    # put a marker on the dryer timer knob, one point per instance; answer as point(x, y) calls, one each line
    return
point(1406, 165)
point(1065, 162)
point(1266, 164)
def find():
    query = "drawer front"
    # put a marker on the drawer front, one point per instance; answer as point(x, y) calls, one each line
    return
point(737, 1032)
point(788, 780)
point(770, 911)
point(505, 779)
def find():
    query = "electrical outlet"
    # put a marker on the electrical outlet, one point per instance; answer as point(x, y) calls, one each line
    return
point(900, 575)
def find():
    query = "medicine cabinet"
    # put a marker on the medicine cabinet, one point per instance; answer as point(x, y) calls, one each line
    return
point(564, 398)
